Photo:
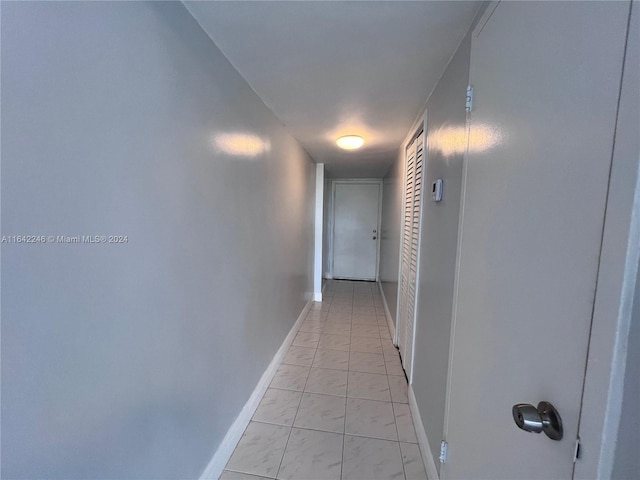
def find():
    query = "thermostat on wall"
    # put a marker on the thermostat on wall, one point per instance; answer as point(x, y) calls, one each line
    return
point(436, 190)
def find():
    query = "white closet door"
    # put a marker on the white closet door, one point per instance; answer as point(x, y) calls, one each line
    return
point(410, 247)
point(410, 163)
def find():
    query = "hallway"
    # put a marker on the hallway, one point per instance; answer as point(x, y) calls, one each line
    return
point(337, 408)
point(179, 177)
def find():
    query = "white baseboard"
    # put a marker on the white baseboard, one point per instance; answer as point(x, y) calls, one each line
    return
point(234, 434)
point(317, 296)
point(423, 441)
point(387, 313)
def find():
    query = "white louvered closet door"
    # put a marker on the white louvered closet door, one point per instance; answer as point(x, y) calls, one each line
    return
point(410, 247)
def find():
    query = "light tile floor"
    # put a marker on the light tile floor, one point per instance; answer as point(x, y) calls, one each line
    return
point(337, 407)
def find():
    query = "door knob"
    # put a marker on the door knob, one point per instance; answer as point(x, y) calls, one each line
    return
point(545, 418)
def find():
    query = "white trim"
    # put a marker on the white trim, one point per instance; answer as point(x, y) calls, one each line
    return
point(423, 441)
point(387, 312)
point(222, 455)
point(317, 261)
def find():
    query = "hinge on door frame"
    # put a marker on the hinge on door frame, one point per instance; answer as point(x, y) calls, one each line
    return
point(443, 452)
point(469, 100)
point(576, 451)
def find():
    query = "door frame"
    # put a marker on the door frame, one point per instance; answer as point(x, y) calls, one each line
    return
point(332, 223)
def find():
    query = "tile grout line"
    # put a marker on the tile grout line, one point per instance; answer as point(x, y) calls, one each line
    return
point(349, 351)
point(346, 395)
point(294, 417)
point(395, 421)
point(359, 435)
point(267, 423)
point(297, 409)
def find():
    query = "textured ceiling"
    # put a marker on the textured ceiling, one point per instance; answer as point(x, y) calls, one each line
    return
point(331, 68)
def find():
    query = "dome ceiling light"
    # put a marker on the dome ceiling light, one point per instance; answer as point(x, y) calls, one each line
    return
point(350, 142)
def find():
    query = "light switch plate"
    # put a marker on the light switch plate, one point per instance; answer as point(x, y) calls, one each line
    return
point(436, 190)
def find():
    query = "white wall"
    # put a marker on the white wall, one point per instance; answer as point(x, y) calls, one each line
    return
point(318, 233)
point(327, 228)
point(609, 424)
point(132, 360)
point(445, 110)
point(626, 461)
point(393, 190)
point(444, 115)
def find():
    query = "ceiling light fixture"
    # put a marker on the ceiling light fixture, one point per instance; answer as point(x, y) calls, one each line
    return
point(350, 142)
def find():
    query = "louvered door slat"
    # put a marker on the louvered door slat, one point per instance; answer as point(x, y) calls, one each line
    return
point(410, 247)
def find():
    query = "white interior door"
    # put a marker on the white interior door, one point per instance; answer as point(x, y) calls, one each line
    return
point(410, 248)
point(546, 78)
point(356, 207)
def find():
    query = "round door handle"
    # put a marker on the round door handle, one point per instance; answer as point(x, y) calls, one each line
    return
point(545, 418)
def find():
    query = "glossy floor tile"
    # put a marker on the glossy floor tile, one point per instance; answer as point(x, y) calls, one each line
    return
point(228, 475)
point(398, 387)
point(366, 344)
point(301, 356)
point(412, 460)
point(278, 407)
point(367, 363)
point(404, 423)
point(312, 455)
point(260, 450)
point(330, 382)
point(335, 359)
point(337, 406)
point(371, 459)
point(370, 386)
point(290, 377)
point(370, 418)
point(321, 412)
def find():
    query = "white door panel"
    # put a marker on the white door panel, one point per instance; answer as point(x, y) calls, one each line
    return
point(546, 77)
point(355, 235)
point(412, 207)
